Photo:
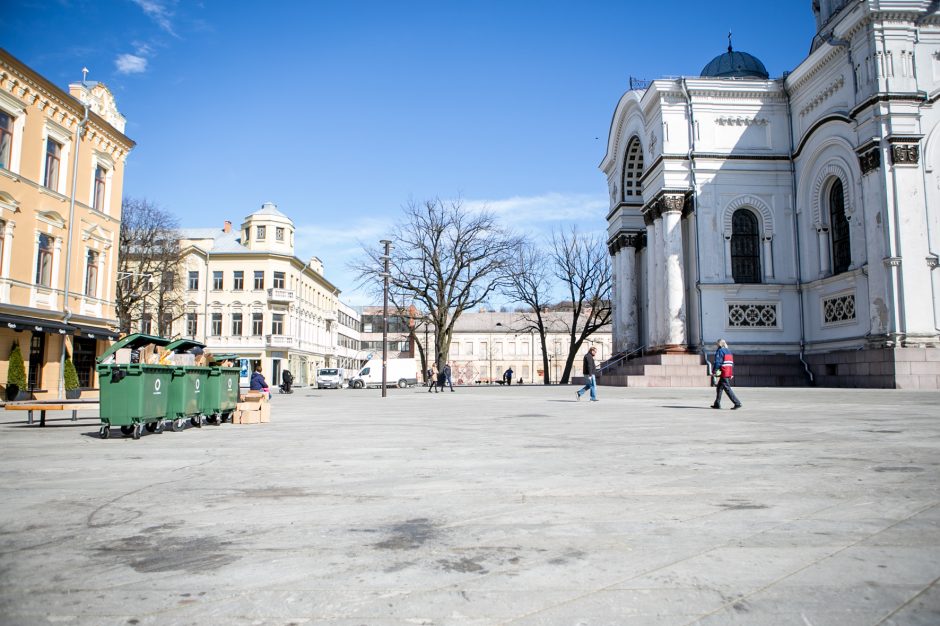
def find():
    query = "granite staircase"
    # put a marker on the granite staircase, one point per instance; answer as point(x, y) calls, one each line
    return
point(690, 370)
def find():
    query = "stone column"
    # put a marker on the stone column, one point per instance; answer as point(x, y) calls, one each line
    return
point(615, 293)
point(7, 248)
point(628, 293)
point(650, 281)
point(822, 233)
point(674, 291)
point(656, 282)
point(768, 259)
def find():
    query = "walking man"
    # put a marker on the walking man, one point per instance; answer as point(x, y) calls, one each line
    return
point(447, 377)
point(723, 371)
point(590, 371)
point(432, 380)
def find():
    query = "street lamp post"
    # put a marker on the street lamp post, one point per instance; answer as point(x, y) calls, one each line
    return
point(385, 257)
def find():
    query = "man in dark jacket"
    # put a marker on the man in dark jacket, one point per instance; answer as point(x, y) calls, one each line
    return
point(258, 383)
point(590, 372)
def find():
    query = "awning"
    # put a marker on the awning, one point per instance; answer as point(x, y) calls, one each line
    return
point(94, 332)
point(17, 322)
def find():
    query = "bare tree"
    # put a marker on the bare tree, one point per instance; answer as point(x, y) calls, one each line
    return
point(531, 286)
point(582, 263)
point(148, 284)
point(447, 260)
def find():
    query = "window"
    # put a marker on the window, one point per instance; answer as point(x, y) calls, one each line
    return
point(101, 178)
point(236, 324)
point(259, 233)
point(6, 140)
point(277, 324)
point(745, 247)
point(278, 280)
point(191, 324)
point(146, 325)
point(37, 351)
point(91, 274)
point(83, 357)
point(839, 229)
point(239, 281)
point(217, 280)
point(632, 170)
point(44, 261)
point(216, 328)
point(257, 321)
point(259, 279)
point(53, 157)
point(279, 233)
point(193, 281)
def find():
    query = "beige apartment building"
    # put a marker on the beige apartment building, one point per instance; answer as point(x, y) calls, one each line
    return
point(485, 344)
point(246, 293)
point(61, 175)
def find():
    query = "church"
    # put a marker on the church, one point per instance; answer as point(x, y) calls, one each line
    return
point(795, 216)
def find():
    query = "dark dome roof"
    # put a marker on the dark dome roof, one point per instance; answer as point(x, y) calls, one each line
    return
point(734, 64)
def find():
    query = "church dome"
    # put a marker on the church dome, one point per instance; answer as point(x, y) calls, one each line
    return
point(733, 64)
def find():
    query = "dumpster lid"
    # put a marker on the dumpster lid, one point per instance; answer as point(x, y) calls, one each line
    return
point(134, 340)
point(218, 358)
point(182, 345)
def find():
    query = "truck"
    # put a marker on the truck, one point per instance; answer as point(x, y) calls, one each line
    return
point(400, 372)
point(331, 378)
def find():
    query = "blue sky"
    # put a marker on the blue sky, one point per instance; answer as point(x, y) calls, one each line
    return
point(340, 112)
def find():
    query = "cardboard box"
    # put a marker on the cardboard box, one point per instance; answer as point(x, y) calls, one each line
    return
point(249, 417)
point(250, 405)
point(265, 412)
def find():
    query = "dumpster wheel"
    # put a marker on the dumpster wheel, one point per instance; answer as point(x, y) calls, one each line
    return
point(105, 431)
point(155, 427)
point(127, 429)
point(137, 428)
point(196, 420)
point(178, 425)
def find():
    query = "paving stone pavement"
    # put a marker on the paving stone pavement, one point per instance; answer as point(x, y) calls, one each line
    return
point(485, 506)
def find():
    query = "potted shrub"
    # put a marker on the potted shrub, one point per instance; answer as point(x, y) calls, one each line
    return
point(16, 374)
point(72, 392)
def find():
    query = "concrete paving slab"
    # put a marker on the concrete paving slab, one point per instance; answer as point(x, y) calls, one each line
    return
point(485, 506)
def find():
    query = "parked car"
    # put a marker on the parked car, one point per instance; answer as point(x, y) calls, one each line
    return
point(331, 378)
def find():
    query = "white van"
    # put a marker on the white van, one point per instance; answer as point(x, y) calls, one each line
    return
point(401, 373)
point(331, 378)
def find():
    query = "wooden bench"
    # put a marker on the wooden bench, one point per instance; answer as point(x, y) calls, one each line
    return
point(54, 405)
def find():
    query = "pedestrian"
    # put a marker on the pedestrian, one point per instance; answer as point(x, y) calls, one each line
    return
point(508, 375)
point(432, 379)
point(447, 377)
point(258, 383)
point(723, 372)
point(441, 379)
point(590, 371)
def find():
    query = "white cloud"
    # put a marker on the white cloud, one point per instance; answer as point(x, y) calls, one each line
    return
point(130, 64)
point(551, 211)
point(159, 12)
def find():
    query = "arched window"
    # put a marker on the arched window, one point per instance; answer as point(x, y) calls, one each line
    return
point(839, 229)
point(632, 171)
point(745, 247)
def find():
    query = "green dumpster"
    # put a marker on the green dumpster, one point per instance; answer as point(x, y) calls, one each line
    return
point(132, 395)
point(221, 390)
point(187, 388)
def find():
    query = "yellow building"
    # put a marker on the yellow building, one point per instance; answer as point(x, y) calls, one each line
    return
point(246, 293)
point(62, 160)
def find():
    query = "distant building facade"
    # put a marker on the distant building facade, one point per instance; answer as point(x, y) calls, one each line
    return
point(797, 215)
point(57, 272)
point(247, 293)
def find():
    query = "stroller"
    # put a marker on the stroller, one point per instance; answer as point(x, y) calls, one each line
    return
point(287, 382)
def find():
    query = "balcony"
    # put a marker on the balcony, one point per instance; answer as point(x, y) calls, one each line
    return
point(279, 341)
point(280, 295)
